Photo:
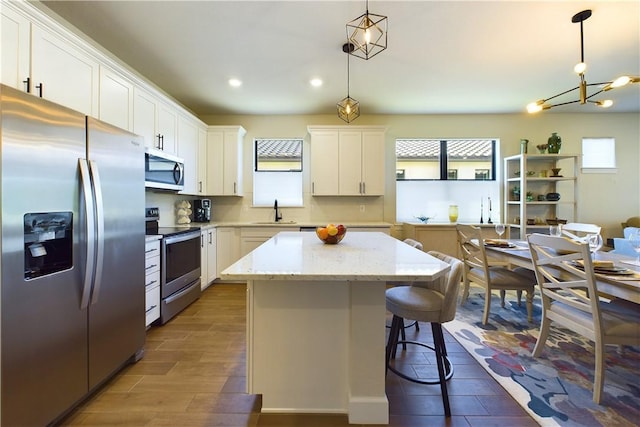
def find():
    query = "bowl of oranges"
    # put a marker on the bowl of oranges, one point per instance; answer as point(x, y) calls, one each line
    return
point(331, 234)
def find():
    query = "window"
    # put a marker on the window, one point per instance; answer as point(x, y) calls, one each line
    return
point(277, 172)
point(598, 154)
point(454, 159)
point(442, 172)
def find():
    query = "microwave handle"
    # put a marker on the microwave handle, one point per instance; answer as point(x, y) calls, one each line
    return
point(178, 172)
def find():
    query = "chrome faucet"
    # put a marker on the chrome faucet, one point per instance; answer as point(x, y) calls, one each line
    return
point(278, 214)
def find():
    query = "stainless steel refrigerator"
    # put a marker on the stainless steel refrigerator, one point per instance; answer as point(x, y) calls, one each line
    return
point(72, 261)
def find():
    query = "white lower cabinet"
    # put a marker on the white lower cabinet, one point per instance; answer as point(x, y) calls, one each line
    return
point(208, 257)
point(152, 281)
point(252, 237)
point(228, 247)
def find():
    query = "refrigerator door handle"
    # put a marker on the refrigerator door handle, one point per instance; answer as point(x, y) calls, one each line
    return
point(97, 191)
point(85, 182)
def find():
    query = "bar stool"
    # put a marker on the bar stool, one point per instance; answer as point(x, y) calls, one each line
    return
point(433, 302)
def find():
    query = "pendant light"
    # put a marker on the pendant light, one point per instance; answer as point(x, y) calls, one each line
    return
point(368, 34)
point(348, 108)
point(580, 69)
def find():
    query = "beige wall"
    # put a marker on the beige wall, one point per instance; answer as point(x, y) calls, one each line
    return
point(606, 199)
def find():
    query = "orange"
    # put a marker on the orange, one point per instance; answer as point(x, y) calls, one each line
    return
point(322, 233)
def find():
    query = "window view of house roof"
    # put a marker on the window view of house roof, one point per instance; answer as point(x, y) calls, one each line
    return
point(429, 149)
point(279, 149)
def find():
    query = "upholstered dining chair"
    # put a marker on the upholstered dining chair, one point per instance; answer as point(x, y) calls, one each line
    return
point(433, 302)
point(490, 275)
point(570, 299)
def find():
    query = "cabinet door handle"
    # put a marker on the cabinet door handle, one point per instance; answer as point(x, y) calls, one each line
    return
point(159, 146)
point(199, 186)
point(210, 237)
point(28, 84)
point(364, 188)
point(313, 188)
point(235, 188)
point(201, 241)
point(40, 89)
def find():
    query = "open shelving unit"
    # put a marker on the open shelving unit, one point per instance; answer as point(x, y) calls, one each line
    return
point(536, 180)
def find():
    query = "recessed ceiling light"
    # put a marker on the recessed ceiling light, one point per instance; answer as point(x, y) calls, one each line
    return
point(235, 82)
point(316, 82)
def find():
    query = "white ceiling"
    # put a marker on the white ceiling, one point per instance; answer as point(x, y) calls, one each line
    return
point(442, 56)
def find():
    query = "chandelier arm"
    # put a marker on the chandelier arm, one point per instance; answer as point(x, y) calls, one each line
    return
point(564, 103)
point(560, 94)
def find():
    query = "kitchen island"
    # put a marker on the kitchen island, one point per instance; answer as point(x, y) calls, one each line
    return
point(316, 320)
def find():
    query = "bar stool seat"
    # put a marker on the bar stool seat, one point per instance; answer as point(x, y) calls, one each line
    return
point(432, 302)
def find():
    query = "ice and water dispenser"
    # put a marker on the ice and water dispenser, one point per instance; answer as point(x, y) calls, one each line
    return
point(48, 243)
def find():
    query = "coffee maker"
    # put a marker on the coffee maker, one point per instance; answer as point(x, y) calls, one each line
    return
point(202, 210)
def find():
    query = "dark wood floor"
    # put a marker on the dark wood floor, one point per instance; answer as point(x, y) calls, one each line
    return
point(193, 374)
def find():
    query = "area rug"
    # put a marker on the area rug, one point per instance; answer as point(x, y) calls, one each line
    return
point(556, 388)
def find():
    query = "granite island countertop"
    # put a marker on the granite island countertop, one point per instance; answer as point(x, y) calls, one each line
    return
point(370, 256)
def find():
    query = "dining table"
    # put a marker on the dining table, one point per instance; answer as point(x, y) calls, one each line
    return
point(625, 286)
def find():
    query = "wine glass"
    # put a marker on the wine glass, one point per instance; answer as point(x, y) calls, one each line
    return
point(595, 242)
point(500, 229)
point(634, 240)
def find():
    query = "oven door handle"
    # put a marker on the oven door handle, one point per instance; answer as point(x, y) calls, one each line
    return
point(182, 237)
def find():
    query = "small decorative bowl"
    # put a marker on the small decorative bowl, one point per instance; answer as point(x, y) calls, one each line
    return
point(331, 234)
point(423, 219)
point(556, 221)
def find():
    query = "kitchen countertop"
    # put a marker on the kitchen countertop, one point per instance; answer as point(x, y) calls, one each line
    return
point(283, 224)
point(372, 256)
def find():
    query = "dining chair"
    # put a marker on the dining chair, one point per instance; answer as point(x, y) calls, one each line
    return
point(565, 274)
point(579, 231)
point(622, 245)
point(492, 275)
point(433, 302)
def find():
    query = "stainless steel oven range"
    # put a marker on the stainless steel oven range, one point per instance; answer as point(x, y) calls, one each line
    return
point(179, 267)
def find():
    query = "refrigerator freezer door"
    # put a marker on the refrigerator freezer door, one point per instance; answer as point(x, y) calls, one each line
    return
point(44, 330)
point(117, 309)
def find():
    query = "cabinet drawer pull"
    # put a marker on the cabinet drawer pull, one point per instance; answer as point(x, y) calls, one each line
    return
point(150, 250)
point(151, 308)
point(151, 266)
point(150, 283)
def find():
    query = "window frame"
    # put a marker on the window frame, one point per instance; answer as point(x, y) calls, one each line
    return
point(443, 160)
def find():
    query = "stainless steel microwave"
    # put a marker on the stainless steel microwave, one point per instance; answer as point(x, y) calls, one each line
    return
point(163, 171)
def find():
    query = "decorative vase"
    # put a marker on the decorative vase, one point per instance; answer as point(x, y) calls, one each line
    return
point(453, 213)
point(554, 143)
point(524, 146)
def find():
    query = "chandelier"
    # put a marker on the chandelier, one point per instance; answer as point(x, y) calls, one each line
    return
point(580, 69)
point(348, 108)
point(368, 34)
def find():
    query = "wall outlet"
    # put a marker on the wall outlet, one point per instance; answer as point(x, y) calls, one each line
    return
point(361, 208)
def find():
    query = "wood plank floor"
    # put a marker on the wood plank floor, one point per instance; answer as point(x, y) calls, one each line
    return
point(193, 374)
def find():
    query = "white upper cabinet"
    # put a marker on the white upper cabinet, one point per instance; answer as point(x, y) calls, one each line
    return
point(167, 125)
point(324, 149)
point(188, 150)
point(156, 121)
point(224, 160)
point(202, 161)
point(347, 161)
point(116, 99)
point(15, 48)
point(63, 73)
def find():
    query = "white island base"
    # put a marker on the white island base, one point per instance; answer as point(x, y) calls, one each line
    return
point(318, 347)
point(316, 320)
